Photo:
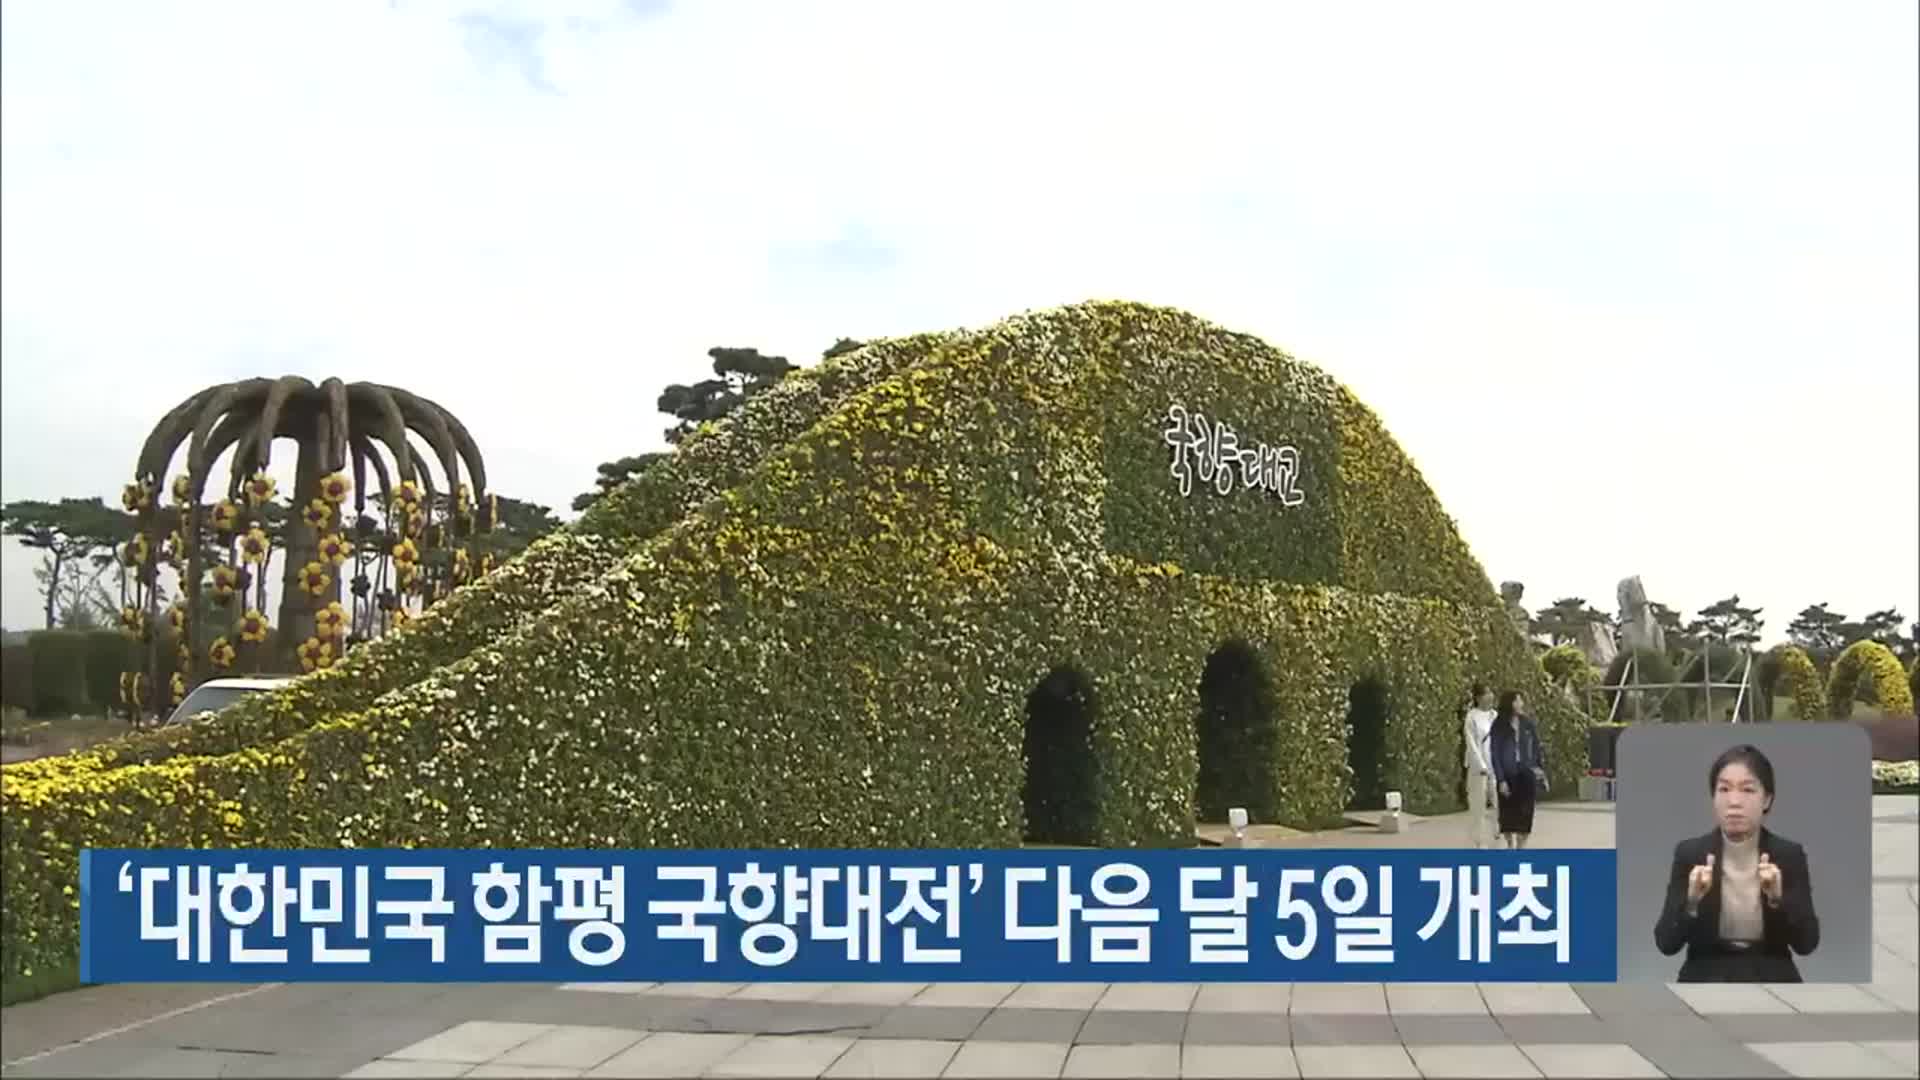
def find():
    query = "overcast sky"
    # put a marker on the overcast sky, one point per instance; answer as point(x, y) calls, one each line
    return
point(1634, 283)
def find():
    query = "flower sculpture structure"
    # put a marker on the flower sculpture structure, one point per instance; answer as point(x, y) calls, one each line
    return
point(358, 475)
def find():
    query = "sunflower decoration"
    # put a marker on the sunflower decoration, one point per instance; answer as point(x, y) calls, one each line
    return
point(330, 622)
point(416, 526)
point(136, 551)
point(254, 545)
point(406, 497)
point(399, 617)
point(319, 513)
point(335, 487)
point(178, 684)
point(335, 549)
point(253, 627)
point(314, 579)
point(462, 565)
point(406, 554)
point(133, 622)
point(182, 487)
point(462, 499)
point(226, 581)
point(260, 488)
point(315, 654)
point(126, 688)
point(177, 545)
point(177, 616)
point(489, 515)
point(226, 516)
point(184, 654)
point(221, 653)
point(137, 688)
point(137, 497)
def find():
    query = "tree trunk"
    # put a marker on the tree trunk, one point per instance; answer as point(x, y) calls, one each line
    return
point(53, 584)
point(297, 607)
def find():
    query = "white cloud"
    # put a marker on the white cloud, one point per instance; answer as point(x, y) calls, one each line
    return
point(1573, 254)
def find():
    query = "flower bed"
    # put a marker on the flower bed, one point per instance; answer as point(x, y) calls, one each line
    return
point(1896, 777)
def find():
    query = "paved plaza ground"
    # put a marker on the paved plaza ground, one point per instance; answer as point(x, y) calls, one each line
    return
point(1033, 1030)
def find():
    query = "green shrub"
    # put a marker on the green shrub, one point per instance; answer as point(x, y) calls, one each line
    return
point(59, 659)
point(108, 654)
point(1913, 680)
point(832, 638)
point(16, 677)
point(1877, 663)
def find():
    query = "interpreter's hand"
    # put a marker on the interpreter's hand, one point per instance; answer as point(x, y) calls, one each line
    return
point(1769, 879)
point(1699, 880)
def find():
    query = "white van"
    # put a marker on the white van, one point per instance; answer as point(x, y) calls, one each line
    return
point(216, 694)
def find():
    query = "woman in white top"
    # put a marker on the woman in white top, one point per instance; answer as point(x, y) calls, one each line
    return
point(1475, 729)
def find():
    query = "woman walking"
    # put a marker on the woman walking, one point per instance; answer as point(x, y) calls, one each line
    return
point(1519, 766)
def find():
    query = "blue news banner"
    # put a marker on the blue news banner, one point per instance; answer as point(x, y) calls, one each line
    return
point(1201, 915)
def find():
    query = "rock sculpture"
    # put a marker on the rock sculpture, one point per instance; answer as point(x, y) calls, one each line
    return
point(1638, 628)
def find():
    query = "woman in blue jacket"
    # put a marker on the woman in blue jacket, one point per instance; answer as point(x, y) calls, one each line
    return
point(1519, 765)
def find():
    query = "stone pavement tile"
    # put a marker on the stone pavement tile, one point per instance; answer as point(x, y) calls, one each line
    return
point(870, 1059)
point(670, 1053)
point(1055, 996)
point(1549, 1028)
point(1836, 1059)
point(1745, 999)
point(1902, 996)
point(1146, 1060)
point(1630, 999)
point(508, 1072)
point(1031, 1025)
point(1350, 999)
point(388, 1067)
point(978, 1059)
point(1238, 1029)
point(1519, 999)
point(1435, 999)
point(780, 991)
point(264, 1066)
point(1598, 1061)
point(1223, 1062)
point(695, 989)
point(609, 987)
point(1803, 1027)
point(772, 1017)
point(1147, 997)
point(1467, 1062)
point(1369, 1062)
point(983, 995)
point(571, 1047)
point(1112, 1027)
point(474, 1042)
point(1254, 997)
point(782, 1056)
point(1902, 1052)
point(928, 1022)
point(877, 993)
point(1449, 1030)
point(1325, 1030)
point(642, 1011)
point(1828, 998)
point(1706, 1056)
